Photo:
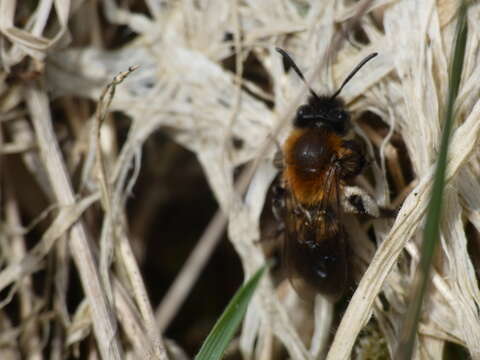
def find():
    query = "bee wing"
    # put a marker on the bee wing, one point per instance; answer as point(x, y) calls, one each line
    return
point(315, 245)
point(296, 231)
point(331, 192)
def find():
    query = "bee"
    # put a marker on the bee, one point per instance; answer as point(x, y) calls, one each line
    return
point(318, 164)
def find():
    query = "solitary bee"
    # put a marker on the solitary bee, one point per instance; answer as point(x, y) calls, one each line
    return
point(313, 192)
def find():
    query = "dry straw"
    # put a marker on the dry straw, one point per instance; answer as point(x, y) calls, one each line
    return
point(181, 86)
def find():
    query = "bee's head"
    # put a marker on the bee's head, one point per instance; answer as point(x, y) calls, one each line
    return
point(323, 112)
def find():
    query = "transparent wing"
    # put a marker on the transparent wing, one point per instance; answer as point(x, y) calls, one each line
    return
point(315, 249)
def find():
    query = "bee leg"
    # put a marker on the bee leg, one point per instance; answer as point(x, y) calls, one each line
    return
point(278, 202)
point(356, 200)
point(278, 157)
point(271, 236)
point(352, 159)
point(279, 230)
point(278, 209)
point(278, 160)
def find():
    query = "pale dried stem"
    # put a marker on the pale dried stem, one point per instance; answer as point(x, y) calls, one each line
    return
point(28, 300)
point(102, 316)
point(115, 228)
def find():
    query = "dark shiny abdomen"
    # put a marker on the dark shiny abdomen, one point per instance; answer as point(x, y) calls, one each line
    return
point(323, 265)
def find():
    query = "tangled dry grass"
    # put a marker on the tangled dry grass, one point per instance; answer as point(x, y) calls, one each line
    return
point(55, 52)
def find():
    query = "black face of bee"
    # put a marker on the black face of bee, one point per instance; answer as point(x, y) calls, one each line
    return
point(323, 112)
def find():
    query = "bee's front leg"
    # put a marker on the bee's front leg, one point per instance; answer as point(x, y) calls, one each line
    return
point(278, 157)
point(278, 160)
point(355, 200)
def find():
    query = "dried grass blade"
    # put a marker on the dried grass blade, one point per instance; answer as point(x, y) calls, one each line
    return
point(68, 216)
point(115, 226)
point(431, 233)
point(463, 144)
point(103, 318)
point(106, 242)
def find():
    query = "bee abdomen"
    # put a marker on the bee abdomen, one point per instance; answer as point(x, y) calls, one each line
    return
point(324, 265)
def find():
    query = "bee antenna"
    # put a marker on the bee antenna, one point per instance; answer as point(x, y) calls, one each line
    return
point(352, 74)
point(290, 62)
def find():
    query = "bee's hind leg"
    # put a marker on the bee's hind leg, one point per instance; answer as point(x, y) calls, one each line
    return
point(278, 210)
point(278, 195)
point(278, 201)
point(355, 200)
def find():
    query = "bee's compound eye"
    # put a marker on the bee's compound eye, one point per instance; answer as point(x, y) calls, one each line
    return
point(340, 115)
point(303, 111)
point(304, 116)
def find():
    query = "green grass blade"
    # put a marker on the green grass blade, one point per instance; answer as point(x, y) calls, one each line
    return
point(432, 228)
point(228, 323)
